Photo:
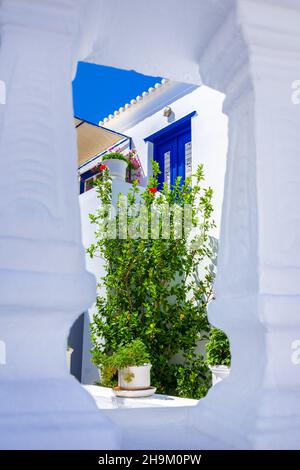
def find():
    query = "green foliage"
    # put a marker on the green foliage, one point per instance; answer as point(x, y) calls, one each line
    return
point(218, 348)
point(131, 354)
point(116, 156)
point(192, 378)
point(154, 291)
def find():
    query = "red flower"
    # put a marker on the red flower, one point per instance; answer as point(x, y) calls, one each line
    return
point(153, 190)
point(102, 167)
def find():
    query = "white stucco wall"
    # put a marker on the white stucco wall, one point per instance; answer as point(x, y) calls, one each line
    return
point(88, 205)
point(209, 137)
point(249, 48)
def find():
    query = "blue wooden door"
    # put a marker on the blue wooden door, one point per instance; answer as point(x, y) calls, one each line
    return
point(173, 156)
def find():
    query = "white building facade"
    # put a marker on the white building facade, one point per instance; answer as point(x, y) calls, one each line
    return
point(199, 108)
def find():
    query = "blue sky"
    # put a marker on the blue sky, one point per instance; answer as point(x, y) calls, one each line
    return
point(98, 91)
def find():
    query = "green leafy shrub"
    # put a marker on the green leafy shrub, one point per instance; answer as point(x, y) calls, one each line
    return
point(154, 290)
point(218, 349)
point(192, 378)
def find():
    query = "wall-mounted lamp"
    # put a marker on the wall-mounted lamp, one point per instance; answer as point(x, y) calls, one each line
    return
point(167, 111)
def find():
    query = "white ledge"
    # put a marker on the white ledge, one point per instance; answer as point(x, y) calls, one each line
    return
point(106, 399)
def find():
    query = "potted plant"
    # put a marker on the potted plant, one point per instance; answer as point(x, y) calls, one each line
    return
point(218, 355)
point(117, 164)
point(131, 363)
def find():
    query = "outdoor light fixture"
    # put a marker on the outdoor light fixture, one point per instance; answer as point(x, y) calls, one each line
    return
point(167, 111)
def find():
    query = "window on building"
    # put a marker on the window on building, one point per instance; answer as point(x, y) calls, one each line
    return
point(88, 183)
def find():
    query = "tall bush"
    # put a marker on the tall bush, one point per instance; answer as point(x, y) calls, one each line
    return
point(154, 290)
point(218, 349)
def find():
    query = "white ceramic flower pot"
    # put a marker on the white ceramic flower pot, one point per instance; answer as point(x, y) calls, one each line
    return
point(117, 168)
point(140, 377)
point(219, 373)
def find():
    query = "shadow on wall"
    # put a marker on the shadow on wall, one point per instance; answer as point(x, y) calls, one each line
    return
point(75, 342)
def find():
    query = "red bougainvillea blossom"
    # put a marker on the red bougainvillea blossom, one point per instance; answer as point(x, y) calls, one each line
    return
point(153, 190)
point(135, 162)
point(99, 167)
